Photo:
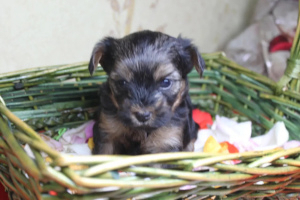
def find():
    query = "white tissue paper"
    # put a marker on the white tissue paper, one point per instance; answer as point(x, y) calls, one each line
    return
point(276, 137)
point(239, 134)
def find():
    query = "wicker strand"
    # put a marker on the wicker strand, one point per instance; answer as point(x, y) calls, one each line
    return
point(293, 68)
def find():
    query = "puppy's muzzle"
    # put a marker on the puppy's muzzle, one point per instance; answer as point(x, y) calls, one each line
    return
point(142, 116)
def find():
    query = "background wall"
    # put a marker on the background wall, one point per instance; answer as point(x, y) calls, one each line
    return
point(37, 33)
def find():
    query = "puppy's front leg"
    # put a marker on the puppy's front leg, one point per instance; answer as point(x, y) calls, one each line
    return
point(102, 145)
point(164, 139)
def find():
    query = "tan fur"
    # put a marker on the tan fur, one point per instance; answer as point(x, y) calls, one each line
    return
point(122, 72)
point(114, 128)
point(97, 55)
point(166, 70)
point(163, 139)
point(135, 108)
point(179, 95)
point(116, 132)
point(113, 99)
point(190, 146)
point(160, 140)
point(107, 148)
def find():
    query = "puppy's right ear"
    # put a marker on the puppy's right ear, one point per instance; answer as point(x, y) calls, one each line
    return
point(100, 53)
point(197, 60)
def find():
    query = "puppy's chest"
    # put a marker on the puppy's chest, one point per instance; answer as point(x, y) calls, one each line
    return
point(127, 140)
point(139, 136)
point(159, 140)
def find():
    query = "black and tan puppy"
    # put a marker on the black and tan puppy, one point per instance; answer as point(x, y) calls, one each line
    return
point(144, 105)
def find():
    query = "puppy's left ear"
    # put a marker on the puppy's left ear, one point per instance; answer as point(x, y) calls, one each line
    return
point(196, 59)
point(102, 54)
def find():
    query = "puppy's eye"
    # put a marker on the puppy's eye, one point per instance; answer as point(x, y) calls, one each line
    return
point(166, 83)
point(121, 83)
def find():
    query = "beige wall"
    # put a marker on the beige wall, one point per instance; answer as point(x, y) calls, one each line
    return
point(37, 33)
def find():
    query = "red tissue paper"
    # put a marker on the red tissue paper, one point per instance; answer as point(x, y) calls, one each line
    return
point(203, 119)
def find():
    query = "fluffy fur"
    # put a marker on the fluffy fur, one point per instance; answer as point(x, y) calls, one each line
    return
point(144, 105)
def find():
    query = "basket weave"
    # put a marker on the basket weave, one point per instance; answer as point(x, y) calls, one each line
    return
point(51, 98)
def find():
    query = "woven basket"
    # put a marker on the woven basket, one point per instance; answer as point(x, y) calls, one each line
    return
point(56, 97)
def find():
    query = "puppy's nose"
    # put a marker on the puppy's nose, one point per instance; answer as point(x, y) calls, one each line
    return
point(143, 116)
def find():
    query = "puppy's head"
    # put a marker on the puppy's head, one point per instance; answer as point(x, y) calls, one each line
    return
point(147, 75)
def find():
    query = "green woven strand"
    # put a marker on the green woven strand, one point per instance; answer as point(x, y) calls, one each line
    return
point(293, 68)
point(20, 188)
point(293, 64)
point(26, 162)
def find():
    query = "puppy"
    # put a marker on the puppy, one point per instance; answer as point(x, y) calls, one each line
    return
point(144, 105)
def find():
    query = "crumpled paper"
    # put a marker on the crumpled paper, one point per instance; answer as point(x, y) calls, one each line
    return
point(276, 137)
point(73, 141)
point(291, 144)
point(77, 135)
point(239, 134)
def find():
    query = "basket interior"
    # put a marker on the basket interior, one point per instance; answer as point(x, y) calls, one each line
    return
point(65, 96)
point(51, 98)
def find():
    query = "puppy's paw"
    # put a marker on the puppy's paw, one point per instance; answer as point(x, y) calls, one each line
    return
point(103, 148)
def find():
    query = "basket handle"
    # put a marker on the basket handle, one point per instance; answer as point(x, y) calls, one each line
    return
point(292, 71)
